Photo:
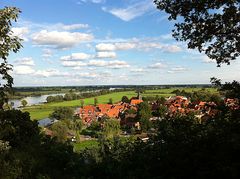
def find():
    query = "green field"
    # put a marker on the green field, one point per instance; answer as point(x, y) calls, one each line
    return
point(42, 111)
point(85, 144)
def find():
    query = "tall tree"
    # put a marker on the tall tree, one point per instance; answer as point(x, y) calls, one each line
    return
point(144, 113)
point(125, 99)
point(110, 101)
point(209, 26)
point(95, 101)
point(111, 128)
point(61, 113)
point(24, 103)
point(8, 43)
point(82, 103)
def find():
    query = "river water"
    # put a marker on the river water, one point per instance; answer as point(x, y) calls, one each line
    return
point(32, 100)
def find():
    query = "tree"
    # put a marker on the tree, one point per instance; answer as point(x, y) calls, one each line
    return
point(230, 90)
point(161, 111)
point(144, 113)
point(24, 103)
point(8, 43)
point(161, 100)
point(209, 26)
point(62, 113)
point(95, 101)
point(110, 101)
point(82, 103)
point(125, 99)
point(111, 129)
point(50, 99)
point(60, 131)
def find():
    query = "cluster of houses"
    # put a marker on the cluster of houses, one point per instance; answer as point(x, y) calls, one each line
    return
point(175, 105)
point(91, 113)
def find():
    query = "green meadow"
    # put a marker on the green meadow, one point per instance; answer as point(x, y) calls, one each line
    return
point(42, 111)
point(77, 147)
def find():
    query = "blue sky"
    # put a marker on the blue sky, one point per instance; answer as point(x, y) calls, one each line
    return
point(104, 42)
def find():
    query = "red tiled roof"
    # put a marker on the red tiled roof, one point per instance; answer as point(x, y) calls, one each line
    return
point(136, 101)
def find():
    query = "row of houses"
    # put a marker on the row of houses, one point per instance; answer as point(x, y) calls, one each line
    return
point(90, 113)
point(175, 105)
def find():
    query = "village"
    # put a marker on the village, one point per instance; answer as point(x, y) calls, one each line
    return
point(127, 113)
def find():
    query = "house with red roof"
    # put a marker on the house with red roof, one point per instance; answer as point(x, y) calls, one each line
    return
point(88, 114)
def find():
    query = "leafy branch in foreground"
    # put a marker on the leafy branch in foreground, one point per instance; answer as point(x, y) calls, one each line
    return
point(8, 43)
point(210, 26)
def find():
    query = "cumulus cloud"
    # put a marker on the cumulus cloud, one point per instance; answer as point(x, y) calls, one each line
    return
point(158, 65)
point(23, 70)
point(50, 73)
point(178, 69)
point(106, 55)
point(125, 46)
point(73, 64)
point(115, 46)
point(87, 75)
point(105, 47)
point(73, 26)
point(115, 64)
point(92, 1)
point(76, 57)
point(93, 75)
point(132, 11)
point(97, 63)
point(205, 59)
point(26, 61)
point(138, 45)
point(172, 48)
point(20, 32)
point(60, 39)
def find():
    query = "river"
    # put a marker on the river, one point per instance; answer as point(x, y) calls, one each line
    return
point(32, 100)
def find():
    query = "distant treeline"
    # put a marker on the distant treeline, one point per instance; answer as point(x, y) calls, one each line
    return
point(202, 95)
point(74, 96)
point(92, 88)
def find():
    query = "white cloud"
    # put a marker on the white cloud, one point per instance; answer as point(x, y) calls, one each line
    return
point(23, 70)
point(172, 49)
point(97, 63)
point(60, 40)
point(73, 64)
point(158, 65)
point(205, 59)
point(178, 69)
point(139, 45)
point(76, 57)
point(93, 76)
point(132, 11)
point(115, 64)
point(73, 26)
point(105, 47)
point(50, 73)
point(87, 75)
point(21, 32)
point(26, 61)
point(92, 1)
point(125, 46)
point(106, 55)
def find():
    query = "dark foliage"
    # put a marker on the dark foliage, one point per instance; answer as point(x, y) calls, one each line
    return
point(8, 44)
point(209, 26)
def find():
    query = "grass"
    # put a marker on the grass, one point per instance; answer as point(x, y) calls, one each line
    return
point(42, 111)
point(77, 147)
